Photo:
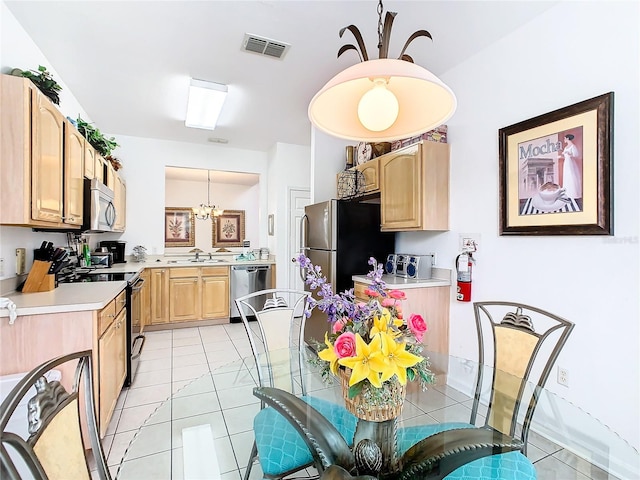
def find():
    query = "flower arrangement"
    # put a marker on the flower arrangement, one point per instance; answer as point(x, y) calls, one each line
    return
point(373, 339)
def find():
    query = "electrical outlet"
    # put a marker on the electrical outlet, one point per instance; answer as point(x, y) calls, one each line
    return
point(563, 376)
point(433, 255)
point(21, 259)
point(1, 267)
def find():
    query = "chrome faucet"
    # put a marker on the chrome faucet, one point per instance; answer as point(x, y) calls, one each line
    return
point(197, 256)
point(197, 251)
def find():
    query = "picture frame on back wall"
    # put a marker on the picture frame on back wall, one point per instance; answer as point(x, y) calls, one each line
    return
point(228, 229)
point(179, 227)
point(556, 172)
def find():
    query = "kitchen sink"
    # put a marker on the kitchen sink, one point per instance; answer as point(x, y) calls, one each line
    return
point(196, 261)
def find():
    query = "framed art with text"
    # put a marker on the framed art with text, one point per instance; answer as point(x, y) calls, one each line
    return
point(556, 171)
point(228, 229)
point(179, 227)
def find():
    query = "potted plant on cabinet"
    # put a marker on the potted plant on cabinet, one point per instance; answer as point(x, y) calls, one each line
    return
point(43, 80)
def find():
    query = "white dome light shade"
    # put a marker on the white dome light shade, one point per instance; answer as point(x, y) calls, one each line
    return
point(378, 108)
point(424, 101)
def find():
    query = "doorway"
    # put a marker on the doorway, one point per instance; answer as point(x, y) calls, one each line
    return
point(298, 199)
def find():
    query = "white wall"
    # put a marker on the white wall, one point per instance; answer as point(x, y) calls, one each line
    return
point(558, 59)
point(328, 156)
point(289, 167)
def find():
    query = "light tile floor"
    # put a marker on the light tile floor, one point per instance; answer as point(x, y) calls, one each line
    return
point(173, 359)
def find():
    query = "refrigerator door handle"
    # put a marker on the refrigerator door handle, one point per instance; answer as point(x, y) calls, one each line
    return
point(303, 221)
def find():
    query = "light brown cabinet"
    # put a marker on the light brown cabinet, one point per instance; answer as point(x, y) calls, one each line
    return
point(89, 160)
point(184, 294)
point(41, 160)
point(112, 365)
point(99, 172)
point(120, 200)
point(215, 292)
point(74, 149)
point(414, 188)
point(159, 296)
point(369, 172)
point(145, 299)
point(432, 303)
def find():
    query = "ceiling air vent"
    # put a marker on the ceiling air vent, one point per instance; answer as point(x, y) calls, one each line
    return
point(264, 46)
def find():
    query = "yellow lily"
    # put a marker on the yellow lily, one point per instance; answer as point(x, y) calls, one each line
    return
point(329, 355)
point(396, 358)
point(381, 323)
point(368, 362)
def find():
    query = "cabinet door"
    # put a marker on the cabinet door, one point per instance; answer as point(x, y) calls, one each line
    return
point(46, 161)
point(145, 300)
point(401, 194)
point(370, 172)
point(89, 161)
point(184, 296)
point(107, 365)
point(100, 164)
point(110, 181)
point(121, 351)
point(120, 203)
point(159, 296)
point(73, 175)
point(215, 297)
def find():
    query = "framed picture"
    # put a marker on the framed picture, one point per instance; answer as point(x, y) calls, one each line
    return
point(555, 172)
point(228, 229)
point(179, 227)
point(270, 222)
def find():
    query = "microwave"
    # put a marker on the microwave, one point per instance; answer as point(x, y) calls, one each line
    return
point(99, 208)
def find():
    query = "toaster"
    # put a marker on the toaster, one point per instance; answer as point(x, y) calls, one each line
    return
point(100, 259)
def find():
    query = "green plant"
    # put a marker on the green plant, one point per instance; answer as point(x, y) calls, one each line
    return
point(102, 144)
point(43, 80)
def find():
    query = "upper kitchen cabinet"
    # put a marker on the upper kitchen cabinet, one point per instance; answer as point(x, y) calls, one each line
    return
point(74, 149)
point(33, 162)
point(89, 160)
point(414, 188)
point(120, 200)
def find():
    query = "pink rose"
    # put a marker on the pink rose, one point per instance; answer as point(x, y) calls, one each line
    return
point(397, 294)
point(388, 302)
point(417, 326)
point(339, 325)
point(345, 345)
point(371, 293)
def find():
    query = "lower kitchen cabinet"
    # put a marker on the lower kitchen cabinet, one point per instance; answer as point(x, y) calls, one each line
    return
point(432, 303)
point(159, 296)
point(215, 292)
point(145, 299)
point(184, 294)
point(112, 362)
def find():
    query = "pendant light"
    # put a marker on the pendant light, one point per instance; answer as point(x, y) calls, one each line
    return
point(204, 211)
point(381, 100)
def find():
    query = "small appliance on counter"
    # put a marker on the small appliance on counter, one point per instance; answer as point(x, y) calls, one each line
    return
point(101, 259)
point(139, 254)
point(411, 266)
point(116, 248)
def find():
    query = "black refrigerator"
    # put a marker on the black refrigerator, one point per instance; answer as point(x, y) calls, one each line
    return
point(340, 236)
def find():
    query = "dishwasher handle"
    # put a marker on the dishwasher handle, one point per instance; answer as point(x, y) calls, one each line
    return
point(251, 268)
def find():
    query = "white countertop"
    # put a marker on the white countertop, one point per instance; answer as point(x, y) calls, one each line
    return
point(76, 297)
point(441, 277)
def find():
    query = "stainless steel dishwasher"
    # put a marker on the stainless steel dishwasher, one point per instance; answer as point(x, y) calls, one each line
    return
point(247, 279)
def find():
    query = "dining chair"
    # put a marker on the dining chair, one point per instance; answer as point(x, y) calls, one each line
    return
point(517, 347)
point(54, 447)
point(277, 343)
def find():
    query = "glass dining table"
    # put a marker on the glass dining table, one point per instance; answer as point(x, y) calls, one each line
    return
point(204, 430)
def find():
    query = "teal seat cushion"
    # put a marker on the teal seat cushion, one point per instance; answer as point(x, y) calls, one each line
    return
point(506, 466)
point(281, 448)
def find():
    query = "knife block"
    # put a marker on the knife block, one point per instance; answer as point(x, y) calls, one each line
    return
point(39, 279)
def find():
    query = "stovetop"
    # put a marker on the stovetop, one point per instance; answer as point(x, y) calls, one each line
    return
point(96, 276)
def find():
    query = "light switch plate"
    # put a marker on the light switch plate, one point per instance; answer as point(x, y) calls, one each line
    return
point(21, 254)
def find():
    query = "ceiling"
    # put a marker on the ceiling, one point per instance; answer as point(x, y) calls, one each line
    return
point(128, 63)
point(198, 175)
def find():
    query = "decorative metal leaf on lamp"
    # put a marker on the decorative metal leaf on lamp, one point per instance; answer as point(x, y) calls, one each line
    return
point(384, 99)
point(204, 211)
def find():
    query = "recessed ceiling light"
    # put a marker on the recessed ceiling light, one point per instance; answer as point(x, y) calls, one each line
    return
point(205, 104)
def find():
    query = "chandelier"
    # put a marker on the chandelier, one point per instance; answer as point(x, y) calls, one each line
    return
point(381, 100)
point(204, 211)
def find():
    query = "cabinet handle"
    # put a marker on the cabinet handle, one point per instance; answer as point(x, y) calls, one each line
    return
point(111, 315)
point(195, 281)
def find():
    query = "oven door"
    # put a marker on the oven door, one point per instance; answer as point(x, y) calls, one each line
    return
point(134, 316)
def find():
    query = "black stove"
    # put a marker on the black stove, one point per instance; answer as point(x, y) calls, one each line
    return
point(97, 276)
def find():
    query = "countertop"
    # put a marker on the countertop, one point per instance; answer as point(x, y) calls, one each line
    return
point(440, 277)
point(76, 297)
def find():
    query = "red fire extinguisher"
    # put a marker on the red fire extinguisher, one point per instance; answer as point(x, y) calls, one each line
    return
point(464, 263)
